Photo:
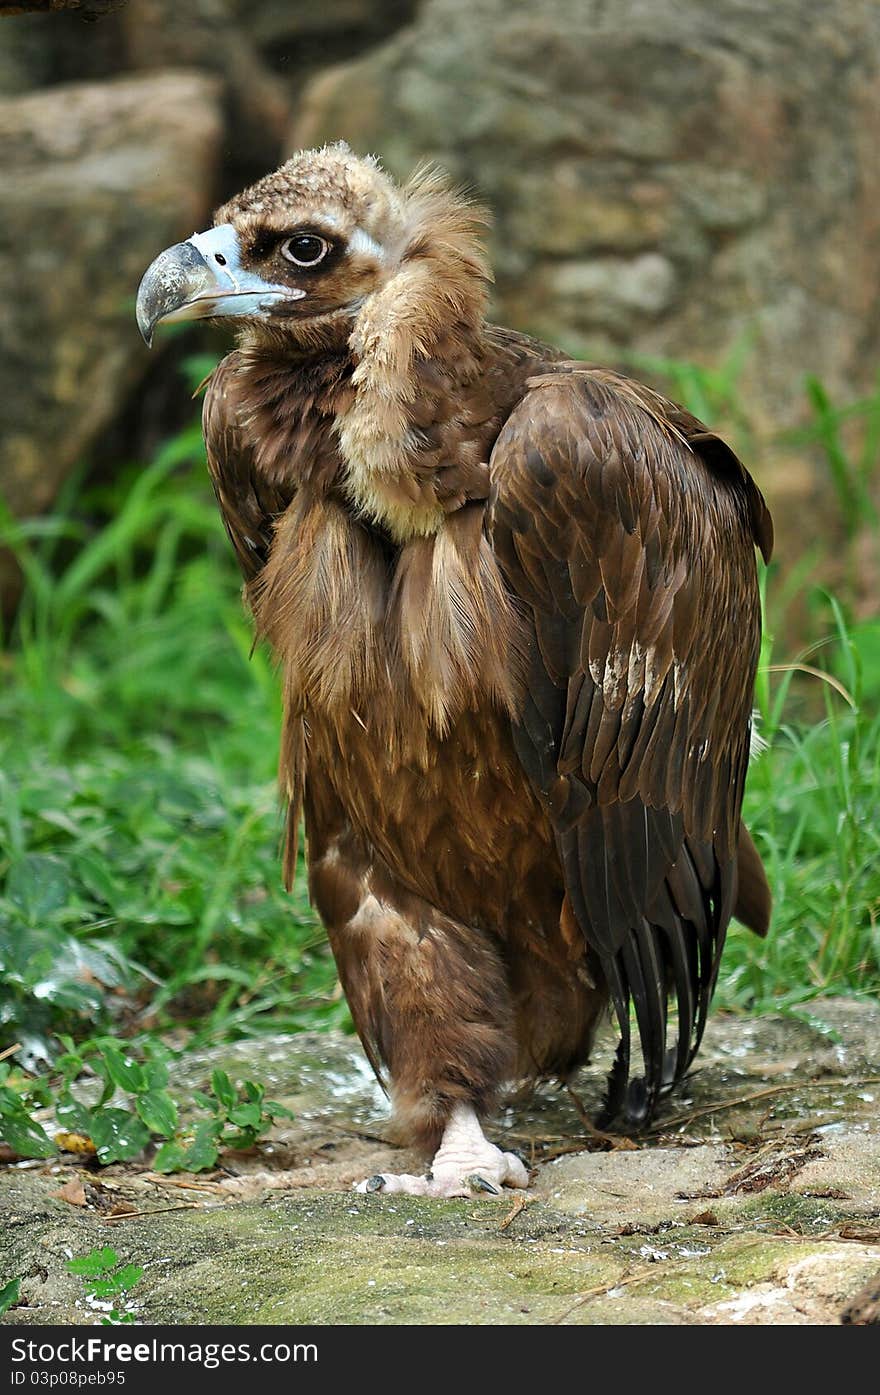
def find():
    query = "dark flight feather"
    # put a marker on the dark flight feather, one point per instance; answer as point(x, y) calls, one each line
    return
point(634, 643)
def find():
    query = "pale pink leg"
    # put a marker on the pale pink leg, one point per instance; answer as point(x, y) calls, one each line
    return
point(465, 1164)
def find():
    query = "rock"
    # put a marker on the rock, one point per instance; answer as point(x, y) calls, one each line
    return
point(864, 1309)
point(611, 291)
point(665, 177)
point(756, 1201)
point(41, 49)
point(284, 31)
point(96, 178)
point(206, 34)
point(87, 9)
point(261, 51)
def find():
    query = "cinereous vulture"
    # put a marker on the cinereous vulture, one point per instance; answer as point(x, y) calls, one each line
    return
point(515, 607)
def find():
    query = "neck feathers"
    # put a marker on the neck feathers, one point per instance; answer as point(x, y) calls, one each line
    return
point(418, 349)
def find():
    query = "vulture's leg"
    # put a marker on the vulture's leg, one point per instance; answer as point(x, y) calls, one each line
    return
point(465, 1164)
point(431, 1003)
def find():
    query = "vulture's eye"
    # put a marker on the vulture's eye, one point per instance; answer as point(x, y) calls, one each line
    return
point(305, 249)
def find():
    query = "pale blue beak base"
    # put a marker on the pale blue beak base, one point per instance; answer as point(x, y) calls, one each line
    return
point(203, 278)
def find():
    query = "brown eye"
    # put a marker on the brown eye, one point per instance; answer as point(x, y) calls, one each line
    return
point(305, 249)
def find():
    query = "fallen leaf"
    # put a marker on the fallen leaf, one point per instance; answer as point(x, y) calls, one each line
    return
point(122, 1208)
point(704, 1218)
point(72, 1192)
point(75, 1143)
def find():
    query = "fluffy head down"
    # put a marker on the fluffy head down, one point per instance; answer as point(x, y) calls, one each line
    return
point(400, 283)
point(328, 262)
point(331, 187)
point(372, 230)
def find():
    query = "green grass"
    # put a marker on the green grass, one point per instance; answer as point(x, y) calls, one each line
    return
point(812, 801)
point(813, 797)
point(139, 820)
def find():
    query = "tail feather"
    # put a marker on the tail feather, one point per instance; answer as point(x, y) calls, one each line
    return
point(754, 901)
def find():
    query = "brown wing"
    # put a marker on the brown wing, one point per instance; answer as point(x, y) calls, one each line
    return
point(248, 503)
point(627, 530)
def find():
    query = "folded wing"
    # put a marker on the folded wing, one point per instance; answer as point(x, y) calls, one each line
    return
point(627, 530)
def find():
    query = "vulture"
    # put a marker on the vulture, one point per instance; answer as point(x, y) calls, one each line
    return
point(514, 604)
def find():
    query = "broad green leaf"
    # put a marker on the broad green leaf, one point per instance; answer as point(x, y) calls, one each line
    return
point(125, 1073)
point(117, 1134)
point(39, 884)
point(9, 1294)
point(96, 1262)
point(277, 1111)
point(157, 1075)
point(103, 1288)
point(126, 1277)
point(223, 1088)
point(171, 1157)
point(74, 1115)
point(158, 1111)
point(95, 874)
point(25, 1136)
point(155, 1067)
point(246, 1116)
point(203, 1151)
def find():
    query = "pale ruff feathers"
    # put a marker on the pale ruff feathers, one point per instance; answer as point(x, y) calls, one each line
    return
point(374, 435)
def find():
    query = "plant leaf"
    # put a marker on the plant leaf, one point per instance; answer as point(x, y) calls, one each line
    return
point(125, 1073)
point(9, 1294)
point(93, 1264)
point(223, 1088)
point(118, 1134)
point(127, 1277)
point(158, 1111)
point(171, 1157)
point(39, 884)
point(203, 1151)
point(23, 1134)
point(246, 1116)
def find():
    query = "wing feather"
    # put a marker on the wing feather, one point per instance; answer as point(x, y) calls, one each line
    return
point(627, 531)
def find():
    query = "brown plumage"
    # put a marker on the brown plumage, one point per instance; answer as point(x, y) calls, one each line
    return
point(514, 603)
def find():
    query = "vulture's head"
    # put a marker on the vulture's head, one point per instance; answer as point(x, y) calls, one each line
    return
point(299, 255)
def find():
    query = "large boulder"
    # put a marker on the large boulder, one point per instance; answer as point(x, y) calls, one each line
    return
point(87, 9)
point(43, 47)
point(206, 34)
point(288, 33)
point(97, 178)
point(669, 176)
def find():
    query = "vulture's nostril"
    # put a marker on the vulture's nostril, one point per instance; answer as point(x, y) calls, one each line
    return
point(219, 259)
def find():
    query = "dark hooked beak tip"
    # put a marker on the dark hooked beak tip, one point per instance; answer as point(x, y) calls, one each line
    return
point(177, 277)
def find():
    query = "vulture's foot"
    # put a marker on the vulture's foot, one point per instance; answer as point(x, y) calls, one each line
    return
point(466, 1164)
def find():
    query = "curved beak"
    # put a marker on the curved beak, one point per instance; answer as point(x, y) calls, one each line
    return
point(203, 278)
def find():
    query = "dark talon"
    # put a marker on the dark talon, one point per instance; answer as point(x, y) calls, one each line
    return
point(480, 1184)
point(429, 1176)
point(376, 1183)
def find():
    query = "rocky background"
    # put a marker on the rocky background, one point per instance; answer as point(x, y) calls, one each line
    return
point(672, 177)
